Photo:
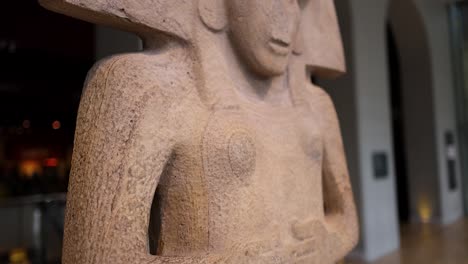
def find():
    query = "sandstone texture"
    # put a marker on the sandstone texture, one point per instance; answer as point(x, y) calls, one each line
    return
point(211, 145)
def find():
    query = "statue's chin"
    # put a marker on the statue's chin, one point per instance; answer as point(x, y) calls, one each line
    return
point(269, 65)
point(269, 69)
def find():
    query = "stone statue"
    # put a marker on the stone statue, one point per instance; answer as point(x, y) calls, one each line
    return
point(211, 145)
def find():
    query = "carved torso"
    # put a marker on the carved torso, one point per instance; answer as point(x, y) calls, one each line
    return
point(242, 175)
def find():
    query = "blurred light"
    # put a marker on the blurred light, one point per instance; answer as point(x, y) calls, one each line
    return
point(56, 125)
point(18, 256)
point(51, 162)
point(30, 167)
point(425, 210)
point(26, 124)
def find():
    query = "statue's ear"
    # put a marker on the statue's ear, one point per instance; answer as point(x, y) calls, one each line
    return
point(213, 14)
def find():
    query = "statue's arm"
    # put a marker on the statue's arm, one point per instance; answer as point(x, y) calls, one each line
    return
point(124, 138)
point(340, 212)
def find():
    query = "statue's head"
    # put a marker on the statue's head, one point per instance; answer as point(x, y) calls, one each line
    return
point(264, 33)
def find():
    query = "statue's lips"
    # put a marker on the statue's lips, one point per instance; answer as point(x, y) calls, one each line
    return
point(279, 46)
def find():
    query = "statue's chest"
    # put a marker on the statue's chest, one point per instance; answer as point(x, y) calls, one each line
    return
point(244, 149)
point(261, 172)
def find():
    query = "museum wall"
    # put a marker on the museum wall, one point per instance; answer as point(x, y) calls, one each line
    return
point(424, 54)
point(435, 17)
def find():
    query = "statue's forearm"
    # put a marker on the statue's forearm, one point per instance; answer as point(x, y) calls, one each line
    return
point(340, 213)
point(341, 218)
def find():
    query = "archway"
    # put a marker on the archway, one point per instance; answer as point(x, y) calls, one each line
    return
point(413, 113)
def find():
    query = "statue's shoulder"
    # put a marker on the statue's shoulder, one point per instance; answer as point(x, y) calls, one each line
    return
point(125, 90)
point(320, 102)
point(316, 96)
point(143, 74)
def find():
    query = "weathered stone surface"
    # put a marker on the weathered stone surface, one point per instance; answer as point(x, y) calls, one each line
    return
point(211, 146)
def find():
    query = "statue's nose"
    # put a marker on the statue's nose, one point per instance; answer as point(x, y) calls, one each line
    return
point(284, 21)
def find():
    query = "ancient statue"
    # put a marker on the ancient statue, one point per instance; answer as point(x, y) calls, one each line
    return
point(211, 145)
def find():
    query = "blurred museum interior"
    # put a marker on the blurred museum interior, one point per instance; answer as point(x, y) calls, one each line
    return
point(403, 108)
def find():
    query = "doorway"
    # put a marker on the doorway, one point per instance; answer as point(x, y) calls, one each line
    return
point(397, 111)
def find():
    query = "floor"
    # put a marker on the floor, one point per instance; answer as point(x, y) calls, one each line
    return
point(429, 244)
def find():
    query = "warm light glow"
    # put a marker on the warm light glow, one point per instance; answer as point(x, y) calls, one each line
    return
point(29, 168)
point(425, 210)
point(51, 162)
point(56, 125)
point(18, 255)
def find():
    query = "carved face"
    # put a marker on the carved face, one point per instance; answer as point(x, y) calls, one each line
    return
point(263, 32)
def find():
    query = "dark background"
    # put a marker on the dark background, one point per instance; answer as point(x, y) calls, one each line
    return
point(44, 58)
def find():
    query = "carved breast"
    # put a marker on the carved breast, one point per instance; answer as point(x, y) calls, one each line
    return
point(229, 149)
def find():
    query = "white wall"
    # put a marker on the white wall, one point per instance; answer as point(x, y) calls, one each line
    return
point(372, 94)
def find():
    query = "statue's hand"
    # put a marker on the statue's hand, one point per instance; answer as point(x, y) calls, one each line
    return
point(276, 251)
point(316, 243)
point(309, 229)
point(311, 243)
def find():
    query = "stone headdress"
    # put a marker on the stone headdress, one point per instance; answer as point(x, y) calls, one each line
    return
point(320, 40)
point(144, 17)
